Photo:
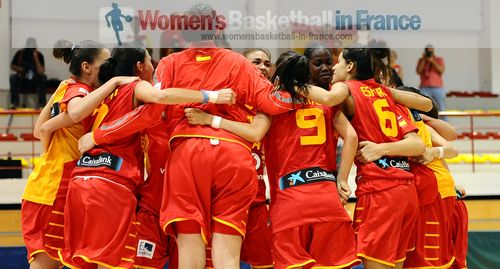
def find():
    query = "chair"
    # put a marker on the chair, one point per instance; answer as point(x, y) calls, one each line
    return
point(8, 137)
point(28, 137)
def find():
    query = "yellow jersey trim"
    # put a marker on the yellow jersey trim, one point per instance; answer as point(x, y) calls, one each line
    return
point(300, 264)
point(227, 223)
point(444, 266)
point(339, 266)
point(375, 260)
point(207, 137)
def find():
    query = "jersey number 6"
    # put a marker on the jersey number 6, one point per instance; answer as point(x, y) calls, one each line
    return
point(390, 130)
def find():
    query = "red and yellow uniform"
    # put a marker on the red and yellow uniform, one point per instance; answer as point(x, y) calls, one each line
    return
point(153, 247)
point(153, 244)
point(45, 194)
point(436, 192)
point(309, 224)
point(387, 206)
point(256, 247)
point(102, 194)
point(215, 197)
point(459, 234)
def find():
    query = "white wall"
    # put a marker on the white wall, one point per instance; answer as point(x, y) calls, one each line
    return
point(5, 44)
point(462, 67)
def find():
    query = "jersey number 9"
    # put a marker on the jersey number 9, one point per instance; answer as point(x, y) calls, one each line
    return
point(311, 118)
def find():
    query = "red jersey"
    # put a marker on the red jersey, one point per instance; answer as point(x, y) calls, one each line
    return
point(216, 68)
point(122, 161)
point(377, 119)
point(151, 192)
point(76, 89)
point(298, 147)
point(258, 155)
point(157, 135)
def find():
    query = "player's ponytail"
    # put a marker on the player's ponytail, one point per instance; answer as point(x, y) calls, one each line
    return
point(122, 62)
point(379, 54)
point(62, 50)
point(292, 75)
point(107, 70)
point(76, 54)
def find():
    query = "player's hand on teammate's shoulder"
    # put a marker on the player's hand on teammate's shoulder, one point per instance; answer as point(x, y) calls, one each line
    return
point(368, 152)
point(197, 116)
point(86, 143)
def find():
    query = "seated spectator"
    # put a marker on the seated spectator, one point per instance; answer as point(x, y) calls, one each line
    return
point(29, 65)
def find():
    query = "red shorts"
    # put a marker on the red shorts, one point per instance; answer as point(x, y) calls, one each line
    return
point(43, 225)
point(213, 185)
point(43, 228)
point(152, 245)
point(99, 224)
point(432, 234)
point(256, 248)
point(383, 223)
point(459, 234)
point(321, 244)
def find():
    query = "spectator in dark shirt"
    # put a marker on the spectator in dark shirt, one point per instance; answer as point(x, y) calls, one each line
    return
point(29, 65)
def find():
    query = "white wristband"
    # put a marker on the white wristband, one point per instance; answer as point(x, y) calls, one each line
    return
point(441, 152)
point(216, 120)
point(212, 96)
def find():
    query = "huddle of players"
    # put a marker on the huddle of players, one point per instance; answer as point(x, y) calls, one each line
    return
point(202, 188)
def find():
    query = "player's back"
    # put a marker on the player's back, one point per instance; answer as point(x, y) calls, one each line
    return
point(212, 69)
point(123, 160)
point(376, 119)
point(300, 147)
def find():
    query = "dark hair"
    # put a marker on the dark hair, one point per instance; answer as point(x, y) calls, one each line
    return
point(368, 61)
point(434, 112)
point(292, 74)
point(394, 78)
point(122, 62)
point(313, 46)
point(76, 54)
point(285, 55)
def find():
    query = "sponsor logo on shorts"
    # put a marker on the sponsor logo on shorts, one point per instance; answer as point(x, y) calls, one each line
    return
point(306, 176)
point(145, 249)
point(104, 159)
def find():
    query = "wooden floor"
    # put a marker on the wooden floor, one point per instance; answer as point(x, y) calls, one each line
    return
point(484, 215)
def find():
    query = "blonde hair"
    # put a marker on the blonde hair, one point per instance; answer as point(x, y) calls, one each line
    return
point(246, 52)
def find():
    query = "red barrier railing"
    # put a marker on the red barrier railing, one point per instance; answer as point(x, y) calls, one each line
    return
point(472, 128)
point(7, 129)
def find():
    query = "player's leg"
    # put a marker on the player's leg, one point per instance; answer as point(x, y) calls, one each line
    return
point(43, 261)
point(191, 251)
point(375, 265)
point(226, 251)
